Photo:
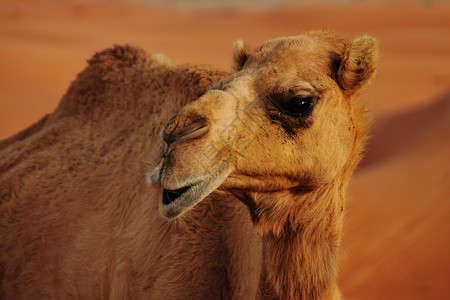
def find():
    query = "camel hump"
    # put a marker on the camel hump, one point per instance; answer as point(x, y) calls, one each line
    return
point(83, 96)
point(123, 56)
point(113, 80)
point(117, 57)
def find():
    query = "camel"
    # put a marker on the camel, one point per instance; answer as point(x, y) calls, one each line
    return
point(158, 180)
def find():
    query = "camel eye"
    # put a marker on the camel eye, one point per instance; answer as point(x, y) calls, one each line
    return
point(299, 107)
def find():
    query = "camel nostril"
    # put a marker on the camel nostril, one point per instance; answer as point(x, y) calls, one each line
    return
point(195, 129)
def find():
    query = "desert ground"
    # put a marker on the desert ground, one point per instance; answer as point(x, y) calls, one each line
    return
point(397, 234)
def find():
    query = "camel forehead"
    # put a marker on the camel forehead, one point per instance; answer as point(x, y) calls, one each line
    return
point(313, 50)
point(310, 42)
point(302, 42)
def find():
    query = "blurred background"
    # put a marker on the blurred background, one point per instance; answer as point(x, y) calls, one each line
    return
point(397, 233)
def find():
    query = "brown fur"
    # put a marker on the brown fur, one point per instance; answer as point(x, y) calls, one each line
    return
point(78, 220)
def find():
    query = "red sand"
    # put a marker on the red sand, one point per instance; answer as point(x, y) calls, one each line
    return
point(397, 236)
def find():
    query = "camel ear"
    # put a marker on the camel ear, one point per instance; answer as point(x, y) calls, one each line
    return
point(240, 55)
point(358, 64)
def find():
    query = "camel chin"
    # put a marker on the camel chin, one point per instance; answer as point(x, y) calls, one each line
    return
point(179, 196)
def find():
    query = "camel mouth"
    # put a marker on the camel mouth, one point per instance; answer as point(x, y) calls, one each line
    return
point(169, 196)
point(175, 201)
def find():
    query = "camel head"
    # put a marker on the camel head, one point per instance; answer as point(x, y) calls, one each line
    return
point(288, 120)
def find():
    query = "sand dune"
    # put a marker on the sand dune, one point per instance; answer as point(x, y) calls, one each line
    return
point(397, 234)
point(397, 133)
point(397, 231)
point(45, 44)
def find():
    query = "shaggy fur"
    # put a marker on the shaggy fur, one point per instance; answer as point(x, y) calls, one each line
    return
point(78, 220)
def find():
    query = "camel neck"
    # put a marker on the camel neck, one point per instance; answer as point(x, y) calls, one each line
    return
point(300, 260)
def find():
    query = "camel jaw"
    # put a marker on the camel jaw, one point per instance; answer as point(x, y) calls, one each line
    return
point(176, 200)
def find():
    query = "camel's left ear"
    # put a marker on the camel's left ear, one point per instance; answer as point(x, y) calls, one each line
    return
point(358, 64)
point(240, 55)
